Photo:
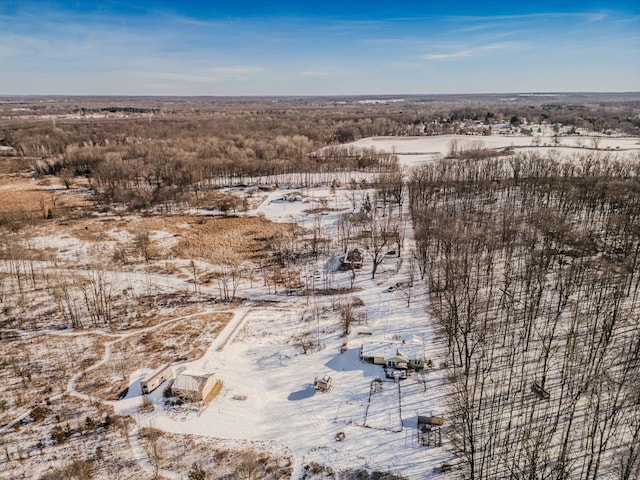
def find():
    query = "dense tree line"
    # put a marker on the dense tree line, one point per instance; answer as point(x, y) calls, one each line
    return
point(533, 270)
point(142, 162)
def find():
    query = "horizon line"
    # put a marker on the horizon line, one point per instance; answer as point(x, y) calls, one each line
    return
point(336, 95)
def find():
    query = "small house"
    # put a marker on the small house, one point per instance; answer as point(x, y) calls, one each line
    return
point(193, 386)
point(402, 354)
point(156, 378)
point(351, 260)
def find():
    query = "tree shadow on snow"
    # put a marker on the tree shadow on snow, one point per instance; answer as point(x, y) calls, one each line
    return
point(349, 361)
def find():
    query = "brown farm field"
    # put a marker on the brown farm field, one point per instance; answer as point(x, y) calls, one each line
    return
point(38, 198)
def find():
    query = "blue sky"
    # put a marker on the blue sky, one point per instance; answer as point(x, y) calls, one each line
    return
point(333, 47)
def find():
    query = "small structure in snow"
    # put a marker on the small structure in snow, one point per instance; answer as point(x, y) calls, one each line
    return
point(193, 386)
point(292, 197)
point(351, 260)
point(396, 374)
point(322, 384)
point(430, 419)
point(429, 433)
point(156, 378)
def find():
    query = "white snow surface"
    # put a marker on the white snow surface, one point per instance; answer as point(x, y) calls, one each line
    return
point(268, 393)
point(413, 151)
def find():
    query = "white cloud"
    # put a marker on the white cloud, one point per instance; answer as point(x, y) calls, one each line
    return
point(476, 51)
point(316, 73)
point(180, 77)
point(232, 70)
point(205, 75)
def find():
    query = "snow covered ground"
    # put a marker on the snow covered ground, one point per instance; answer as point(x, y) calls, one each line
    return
point(416, 150)
point(268, 393)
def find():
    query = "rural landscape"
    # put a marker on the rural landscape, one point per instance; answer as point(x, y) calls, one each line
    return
point(353, 287)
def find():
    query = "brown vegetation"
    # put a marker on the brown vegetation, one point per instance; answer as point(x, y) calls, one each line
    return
point(184, 340)
point(532, 266)
point(179, 453)
point(35, 369)
point(68, 436)
point(244, 236)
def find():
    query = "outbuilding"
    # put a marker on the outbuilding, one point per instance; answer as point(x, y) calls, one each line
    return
point(193, 386)
point(156, 378)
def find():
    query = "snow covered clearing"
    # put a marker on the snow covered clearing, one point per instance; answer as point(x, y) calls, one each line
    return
point(268, 393)
point(418, 150)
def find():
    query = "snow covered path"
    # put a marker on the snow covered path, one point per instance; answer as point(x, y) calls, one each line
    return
point(230, 330)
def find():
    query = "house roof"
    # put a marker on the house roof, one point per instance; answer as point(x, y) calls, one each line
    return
point(412, 350)
point(191, 381)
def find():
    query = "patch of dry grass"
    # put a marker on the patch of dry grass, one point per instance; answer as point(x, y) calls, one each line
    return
point(181, 341)
point(217, 388)
point(219, 461)
point(93, 229)
point(245, 236)
point(15, 165)
point(33, 370)
point(64, 431)
point(31, 196)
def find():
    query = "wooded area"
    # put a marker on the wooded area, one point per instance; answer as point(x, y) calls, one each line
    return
point(532, 268)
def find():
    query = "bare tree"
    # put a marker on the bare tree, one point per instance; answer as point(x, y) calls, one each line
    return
point(142, 244)
point(408, 287)
point(376, 240)
point(154, 448)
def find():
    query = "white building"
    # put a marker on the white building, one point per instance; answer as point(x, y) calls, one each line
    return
point(400, 354)
point(193, 386)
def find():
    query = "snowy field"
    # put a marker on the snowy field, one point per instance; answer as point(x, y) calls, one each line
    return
point(416, 150)
point(267, 398)
point(268, 392)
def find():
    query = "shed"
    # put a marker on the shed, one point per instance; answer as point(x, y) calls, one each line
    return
point(156, 378)
point(430, 419)
point(193, 386)
point(323, 384)
point(351, 260)
point(429, 433)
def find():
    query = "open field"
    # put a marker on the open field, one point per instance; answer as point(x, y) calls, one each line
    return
point(412, 151)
